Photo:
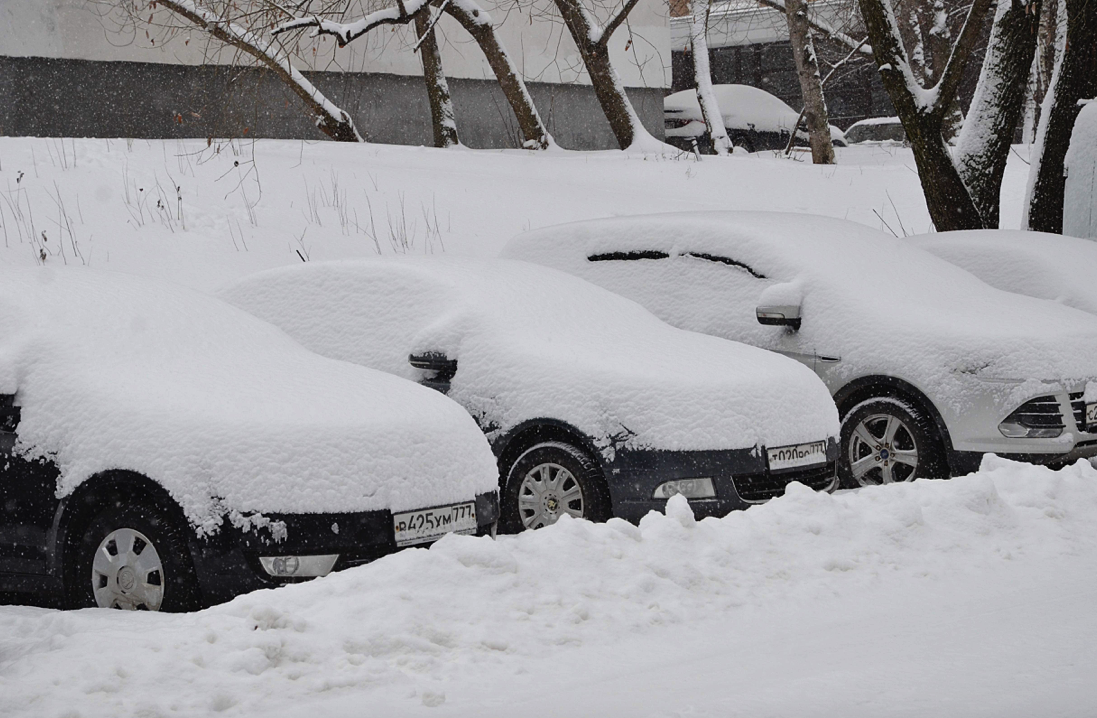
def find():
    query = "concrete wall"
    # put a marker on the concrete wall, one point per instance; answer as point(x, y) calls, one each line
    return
point(82, 98)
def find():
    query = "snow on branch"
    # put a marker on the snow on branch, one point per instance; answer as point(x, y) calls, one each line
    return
point(330, 119)
point(822, 26)
point(347, 32)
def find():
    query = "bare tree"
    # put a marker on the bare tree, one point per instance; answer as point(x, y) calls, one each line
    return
point(443, 118)
point(706, 96)
point(330, 119)
point(472, 18)
point(923, 111)
point(592, 40)
point(1074, 79)
point(1000, 96)
point(811, 83)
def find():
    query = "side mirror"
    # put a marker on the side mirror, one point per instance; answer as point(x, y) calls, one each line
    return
point(440, 369)
point(781, 315)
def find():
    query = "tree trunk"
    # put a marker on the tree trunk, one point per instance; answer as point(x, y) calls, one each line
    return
point(1075, 79)
point(593, 45)
point(811, 83)
point(330, 119)
point(477, 23)
point(922, 113)
point(706, 97)
point(442, 117)
point(997, 106)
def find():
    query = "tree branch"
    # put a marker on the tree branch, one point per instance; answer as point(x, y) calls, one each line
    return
point(969, 35)
point(347, 32)
point(824, 28)
point(615, 22)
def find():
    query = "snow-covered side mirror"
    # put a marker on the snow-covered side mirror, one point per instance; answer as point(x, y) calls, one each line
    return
point(782, 315)
point(439, 369)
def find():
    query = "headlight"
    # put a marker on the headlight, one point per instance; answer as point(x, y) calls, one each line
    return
point(299, 566)
point(1039, 418)
point(690, 488)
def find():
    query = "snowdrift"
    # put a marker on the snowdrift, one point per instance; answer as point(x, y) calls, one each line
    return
point(479, 613)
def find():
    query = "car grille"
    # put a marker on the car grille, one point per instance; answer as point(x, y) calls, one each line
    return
point(1040, 413)
point(762, 487)
point(1078, 405)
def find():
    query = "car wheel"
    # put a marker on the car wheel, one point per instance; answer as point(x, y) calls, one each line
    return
point(547, 481)
point(886, 440)
point(742, 142)
point(132, 558)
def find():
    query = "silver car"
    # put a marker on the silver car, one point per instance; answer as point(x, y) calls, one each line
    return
point(930, 367)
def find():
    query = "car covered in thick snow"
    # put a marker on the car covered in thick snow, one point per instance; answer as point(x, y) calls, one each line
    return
point(593, 406)
point(929, 367)
point(1048, 266)
point(877, 130)
point(755, 120)
point(163, 450)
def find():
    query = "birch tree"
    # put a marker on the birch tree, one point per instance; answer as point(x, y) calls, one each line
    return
point(924, 110)
point(811, 83)
point(706, 96)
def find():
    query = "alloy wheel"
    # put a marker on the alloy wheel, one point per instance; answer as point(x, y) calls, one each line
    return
point(547, 492)
point(882, 450)
point(127, 572)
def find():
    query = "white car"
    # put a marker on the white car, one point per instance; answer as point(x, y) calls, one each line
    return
point(1048, 266)
point(930, 368)
point(755, 120)
point(162, 450)
point(593, 406)
point(877, 130)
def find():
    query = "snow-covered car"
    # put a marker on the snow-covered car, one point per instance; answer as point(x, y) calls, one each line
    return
point(877, 130)
point(929, 367)
point(1038, 264)
point(163, 450)
point(755, 120)
point(594, 407)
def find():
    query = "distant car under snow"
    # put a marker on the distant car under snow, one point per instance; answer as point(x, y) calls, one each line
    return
point(929, 367)
point(162, 450)
point(877, 130)
point(594, 407)
point(755, 120)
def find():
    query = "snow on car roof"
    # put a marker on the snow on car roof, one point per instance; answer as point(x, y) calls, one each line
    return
point(224, 411)
point(1048, 266)
point(740, 105)
point(868, 121)
point(893, 306)
point(536, 343)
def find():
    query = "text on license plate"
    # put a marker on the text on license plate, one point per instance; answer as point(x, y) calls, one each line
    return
point(789, 457)
point(413, 527)
point(1091, 417)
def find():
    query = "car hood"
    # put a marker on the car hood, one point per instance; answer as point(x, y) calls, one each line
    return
point(533, 343)
point(226, 412)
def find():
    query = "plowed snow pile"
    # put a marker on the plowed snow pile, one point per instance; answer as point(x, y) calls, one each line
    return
point(968, 597)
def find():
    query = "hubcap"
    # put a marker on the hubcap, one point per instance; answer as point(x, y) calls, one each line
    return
point(547, 492)
point(882, 451)
point(127, 572)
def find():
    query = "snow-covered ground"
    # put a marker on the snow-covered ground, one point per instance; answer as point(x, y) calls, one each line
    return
point(970, 597)
point(243, 206)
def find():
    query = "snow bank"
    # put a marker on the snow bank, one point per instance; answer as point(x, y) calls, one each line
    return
point(881, 304)
point(494, 621)
point(226, 412)
point(532, 342)
point(1048, 266)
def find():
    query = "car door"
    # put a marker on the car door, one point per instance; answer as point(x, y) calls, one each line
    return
point(28, 500)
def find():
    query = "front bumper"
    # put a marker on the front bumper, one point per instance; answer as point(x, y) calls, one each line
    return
point(741, 478)
point(227, 563)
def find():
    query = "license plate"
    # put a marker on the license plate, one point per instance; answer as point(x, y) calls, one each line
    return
point(1091, 417)
point(797, 455)
point(415, 527)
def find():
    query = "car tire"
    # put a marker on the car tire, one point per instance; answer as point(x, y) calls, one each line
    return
point(886, 440)
point(132, 557)
point(742, 142)
point(548, 480)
